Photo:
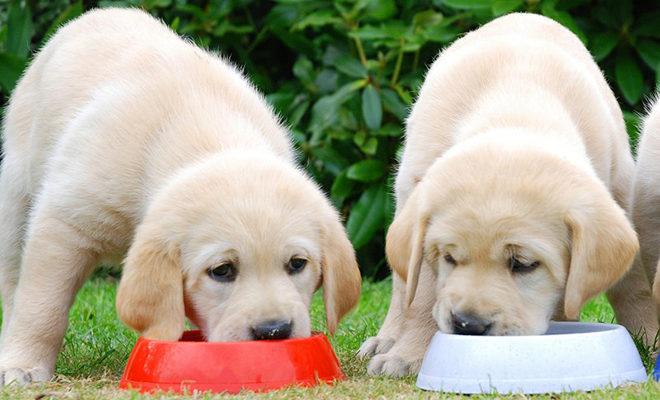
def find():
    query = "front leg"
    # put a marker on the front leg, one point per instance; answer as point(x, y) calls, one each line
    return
point(56, 260)
point(406, 355)
point(392, 326)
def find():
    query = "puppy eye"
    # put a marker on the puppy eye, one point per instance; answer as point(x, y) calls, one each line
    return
point(296, 265)
point(449, 259)
point(223, 273)
point(519, 267)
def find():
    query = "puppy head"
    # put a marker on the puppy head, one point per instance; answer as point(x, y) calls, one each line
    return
point(240, 245)
point(507, 235)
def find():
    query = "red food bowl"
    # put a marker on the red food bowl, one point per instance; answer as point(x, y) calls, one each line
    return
point(193, 364)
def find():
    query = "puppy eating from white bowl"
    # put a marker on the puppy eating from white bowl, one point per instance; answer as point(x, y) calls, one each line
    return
point(511, 195)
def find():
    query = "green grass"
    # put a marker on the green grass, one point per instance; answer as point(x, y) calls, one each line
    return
point(97, 345)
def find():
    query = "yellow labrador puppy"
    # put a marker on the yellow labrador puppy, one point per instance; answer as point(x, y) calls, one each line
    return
point(122, 137)
point(646, 205)
point(510, 195)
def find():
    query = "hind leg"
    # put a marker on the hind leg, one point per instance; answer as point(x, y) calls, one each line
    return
point(56, 260)
point(13, 213)
point(632, 297)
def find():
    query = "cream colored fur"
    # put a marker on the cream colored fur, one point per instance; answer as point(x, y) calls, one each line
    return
point(122, 138)
point(516, 147)
point(646, 205)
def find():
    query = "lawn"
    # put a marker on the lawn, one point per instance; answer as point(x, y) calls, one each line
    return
point(97, 345)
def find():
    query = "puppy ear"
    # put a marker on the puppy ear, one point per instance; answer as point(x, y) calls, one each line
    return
point(150, 294)
point(404, 244)
point(603, 246)
point(341, 274)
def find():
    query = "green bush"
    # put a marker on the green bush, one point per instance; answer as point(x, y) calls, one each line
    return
point(344, 73)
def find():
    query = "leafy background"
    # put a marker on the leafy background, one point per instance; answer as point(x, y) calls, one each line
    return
point(344, 73)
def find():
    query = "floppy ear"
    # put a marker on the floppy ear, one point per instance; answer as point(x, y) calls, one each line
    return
point(150, 293)
point(341, 274)
point(603, 246)
point(404, 245)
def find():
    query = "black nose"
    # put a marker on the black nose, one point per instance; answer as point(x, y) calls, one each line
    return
point(469, 324)
point(272, 330)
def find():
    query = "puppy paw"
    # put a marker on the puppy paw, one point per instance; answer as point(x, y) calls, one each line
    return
point(23, 376)
point(375, 345)
point(392, 365)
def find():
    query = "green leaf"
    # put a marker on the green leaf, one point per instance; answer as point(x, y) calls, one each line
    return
point(341, 188)
point(390, 30)
point(149, 4)
point(602, 44)
point(649, 51)
point(225, 27)
point(468, 4)
point(69, 13)
point(629, 77)
point(391, 130)
point(325, 110)
point(366, 170)
point(351, 67)
point(280, 100)
point(347, 117)
point(403, 94)
point(633, 124)
point(392, 103)
point(176, 22)
point(372, 109)
point(441, 33)
point(298, 138)
point(360, 137)
point(501, 7)
point(298, 113)
point(303, 70)
point(332, 159)
point(11, 68)
point(380, 9)
point(19, 29)
point(370, 146)
point(326, 80)
point(564, 18)
point(426, 19)
point(614, 14)
point(648, 25)
point(318, 19)
point(367, 215)
point(295, 40)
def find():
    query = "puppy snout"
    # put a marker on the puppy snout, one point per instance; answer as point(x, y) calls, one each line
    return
point(469, 324)
point(272, 330)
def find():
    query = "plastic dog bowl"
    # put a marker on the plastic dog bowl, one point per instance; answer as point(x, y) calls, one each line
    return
point(193, 364)
point(570, 356)
point(656, 370)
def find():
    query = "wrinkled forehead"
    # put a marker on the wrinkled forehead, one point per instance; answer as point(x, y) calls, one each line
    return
point(494, 226)
point(204, 254)
point(252, 240)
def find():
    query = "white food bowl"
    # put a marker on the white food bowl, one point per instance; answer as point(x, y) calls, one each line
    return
point(570, 356)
